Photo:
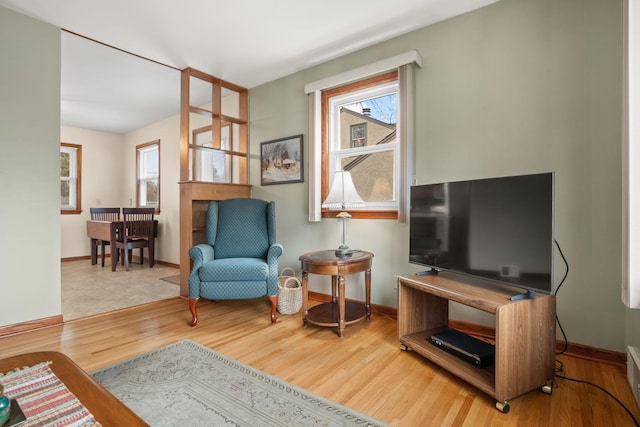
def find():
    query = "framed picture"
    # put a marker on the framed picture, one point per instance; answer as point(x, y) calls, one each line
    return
point(281, 161)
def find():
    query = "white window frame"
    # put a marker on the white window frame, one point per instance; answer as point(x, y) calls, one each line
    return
point(73, 179)
point(144, 177)
point(336, 153)
point(631, 157)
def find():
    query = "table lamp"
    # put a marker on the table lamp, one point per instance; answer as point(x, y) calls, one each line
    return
point(343, 195)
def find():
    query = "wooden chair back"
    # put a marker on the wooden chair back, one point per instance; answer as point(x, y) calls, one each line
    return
point(138, 223)
point(105, 214)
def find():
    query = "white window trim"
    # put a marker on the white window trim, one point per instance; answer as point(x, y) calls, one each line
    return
point(631, 158)
point(144, 179)
point(405, 125)
point(72, 178)
point(365, 71)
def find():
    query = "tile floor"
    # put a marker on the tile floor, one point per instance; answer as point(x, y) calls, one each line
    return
point(91, 289)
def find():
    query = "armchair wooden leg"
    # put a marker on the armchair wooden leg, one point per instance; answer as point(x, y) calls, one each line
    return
point(274, 303)
point(194, 313)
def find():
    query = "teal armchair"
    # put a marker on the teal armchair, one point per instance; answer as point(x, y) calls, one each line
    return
point(240, 258)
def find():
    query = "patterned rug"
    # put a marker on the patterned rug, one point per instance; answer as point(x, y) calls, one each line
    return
point(188, 384)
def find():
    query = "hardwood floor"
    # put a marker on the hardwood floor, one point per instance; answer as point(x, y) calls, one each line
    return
point(365, 371)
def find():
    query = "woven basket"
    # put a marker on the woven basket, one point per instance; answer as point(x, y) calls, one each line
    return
point(289, 292)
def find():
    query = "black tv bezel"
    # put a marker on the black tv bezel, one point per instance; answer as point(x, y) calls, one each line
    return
point(531, 290)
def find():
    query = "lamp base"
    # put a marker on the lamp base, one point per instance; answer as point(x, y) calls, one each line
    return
point(344, 252)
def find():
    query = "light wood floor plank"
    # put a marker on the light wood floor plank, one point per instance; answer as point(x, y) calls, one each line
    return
point(365, 371)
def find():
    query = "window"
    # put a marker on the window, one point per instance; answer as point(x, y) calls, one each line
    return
point(361, 138)
point(148, 173)
point(70, 178)
point(404, 64)
point(358, 135)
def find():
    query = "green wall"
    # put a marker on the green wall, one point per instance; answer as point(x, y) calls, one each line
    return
point(29, 169)
point(517, 87)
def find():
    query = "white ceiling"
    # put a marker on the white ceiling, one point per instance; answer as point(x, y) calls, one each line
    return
point(246, 42)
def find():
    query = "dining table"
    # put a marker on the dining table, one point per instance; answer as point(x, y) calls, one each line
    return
point(108, 230)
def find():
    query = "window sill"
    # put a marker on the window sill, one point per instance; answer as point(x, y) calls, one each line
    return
point(364, 214)
point(70, 212)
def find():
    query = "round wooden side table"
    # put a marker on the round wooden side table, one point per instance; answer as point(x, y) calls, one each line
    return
point(338, 312)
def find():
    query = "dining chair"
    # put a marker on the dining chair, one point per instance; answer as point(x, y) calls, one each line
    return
point(137, 232)
point(104, 214)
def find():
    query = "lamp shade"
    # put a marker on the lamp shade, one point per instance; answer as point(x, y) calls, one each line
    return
point(343, 194)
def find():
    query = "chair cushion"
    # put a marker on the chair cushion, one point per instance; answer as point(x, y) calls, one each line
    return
point(234, 269)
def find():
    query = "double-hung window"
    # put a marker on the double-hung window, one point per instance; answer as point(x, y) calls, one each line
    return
point(361, 138)
point(70, 178)
point(148, 173)
point(362, 121)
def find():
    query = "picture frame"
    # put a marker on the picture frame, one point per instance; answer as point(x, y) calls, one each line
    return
point(282, 161)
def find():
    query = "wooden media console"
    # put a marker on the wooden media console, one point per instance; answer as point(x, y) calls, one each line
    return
point(524, 340)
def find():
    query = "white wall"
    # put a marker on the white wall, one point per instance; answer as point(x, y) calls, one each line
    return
point(168, 132)
point(102, 182)
point(109, 180)
point(29, 169)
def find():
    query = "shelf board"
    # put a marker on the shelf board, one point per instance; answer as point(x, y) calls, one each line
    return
point(481, 378)
point(483, 295)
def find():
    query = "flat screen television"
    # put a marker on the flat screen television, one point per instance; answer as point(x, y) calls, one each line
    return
point(500, 229)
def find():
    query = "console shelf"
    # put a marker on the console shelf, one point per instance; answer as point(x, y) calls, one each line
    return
point(524, 341)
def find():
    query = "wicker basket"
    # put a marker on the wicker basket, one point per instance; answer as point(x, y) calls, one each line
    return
point(289, 292)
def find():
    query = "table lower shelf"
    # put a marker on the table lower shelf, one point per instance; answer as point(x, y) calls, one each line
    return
point(328, 313)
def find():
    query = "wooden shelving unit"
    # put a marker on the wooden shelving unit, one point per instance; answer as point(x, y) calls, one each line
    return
point(213, 154)
point(524, 341)
point(194, 200)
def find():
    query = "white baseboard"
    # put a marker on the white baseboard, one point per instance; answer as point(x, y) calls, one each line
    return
point(633, 371)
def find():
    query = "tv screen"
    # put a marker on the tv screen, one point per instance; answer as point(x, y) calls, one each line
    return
point(497, 228)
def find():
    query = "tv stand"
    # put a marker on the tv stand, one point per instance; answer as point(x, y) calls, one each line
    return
point(524, 332)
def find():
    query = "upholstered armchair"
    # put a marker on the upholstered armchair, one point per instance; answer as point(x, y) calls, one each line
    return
point(240, 258)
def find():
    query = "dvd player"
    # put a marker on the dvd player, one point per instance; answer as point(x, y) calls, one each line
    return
point(466, 347)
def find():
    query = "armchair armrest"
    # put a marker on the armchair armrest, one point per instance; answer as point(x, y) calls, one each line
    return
point(200, 254)
point(275, 250)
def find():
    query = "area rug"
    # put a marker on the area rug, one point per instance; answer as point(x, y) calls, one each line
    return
point(188, 384)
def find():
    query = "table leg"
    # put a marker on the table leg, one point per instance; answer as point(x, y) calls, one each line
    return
point(114, 259)
point(341, 303)
point(367, 291)
point(334, 281)
point(305, 298)
point(94, 251)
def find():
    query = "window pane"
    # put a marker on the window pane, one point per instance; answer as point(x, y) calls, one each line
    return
point(150, 163)
point(65, 164)
point(382, 108)
point(64, 193)
point(152, 193)
point(372, 175)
